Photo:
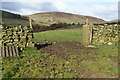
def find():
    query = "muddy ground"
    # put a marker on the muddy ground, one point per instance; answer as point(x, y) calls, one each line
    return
point(65, 48)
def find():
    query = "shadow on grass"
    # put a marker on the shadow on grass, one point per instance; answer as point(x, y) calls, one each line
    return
point(39, 46)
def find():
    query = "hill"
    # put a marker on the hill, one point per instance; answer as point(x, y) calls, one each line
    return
point(9, 18)
point(48, 20)
point(62, 17)
point(115, 21)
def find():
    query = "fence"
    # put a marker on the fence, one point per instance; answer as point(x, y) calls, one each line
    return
point(8, 51)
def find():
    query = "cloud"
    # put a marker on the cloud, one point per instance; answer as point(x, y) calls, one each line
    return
point(32, 7)
point(61, 0)
point(101, 11)
point(12, 6)
point(106, 12)
point(92, 8)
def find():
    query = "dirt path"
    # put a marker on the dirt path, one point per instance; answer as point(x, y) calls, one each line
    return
point(64, 48)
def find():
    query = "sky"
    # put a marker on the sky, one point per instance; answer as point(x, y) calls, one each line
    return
point(105, 9)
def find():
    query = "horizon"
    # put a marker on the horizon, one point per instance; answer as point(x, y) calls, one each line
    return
point(106, 10)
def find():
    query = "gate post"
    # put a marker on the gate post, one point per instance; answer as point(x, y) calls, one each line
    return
point(87, 33)
point(30, 36)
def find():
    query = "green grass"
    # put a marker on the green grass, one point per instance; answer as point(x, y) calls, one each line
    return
point(100, 63)
point(33, 63)
point(68, 34)
point(12, 22)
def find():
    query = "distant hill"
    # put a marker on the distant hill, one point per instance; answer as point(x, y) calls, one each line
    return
point(48, 20)
point(61, 17)
point(115, 21)
point(9, 18)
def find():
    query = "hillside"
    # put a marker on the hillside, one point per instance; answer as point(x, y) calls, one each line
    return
point(115, 21)
point(48, 20)
point(61, 17)
point(9, 18)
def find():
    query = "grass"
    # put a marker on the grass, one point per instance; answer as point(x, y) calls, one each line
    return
point(100, 63)
point(12, 22)
point(33, 63)
point(64, 34)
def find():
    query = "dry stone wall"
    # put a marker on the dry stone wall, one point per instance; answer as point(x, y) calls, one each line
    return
point(16, 36)
point(105, 33)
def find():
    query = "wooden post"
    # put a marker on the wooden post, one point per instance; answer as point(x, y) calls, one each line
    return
point(10, 51)
point(7, 52)
point(3, 51)
point(16, 49)
point(13, 50)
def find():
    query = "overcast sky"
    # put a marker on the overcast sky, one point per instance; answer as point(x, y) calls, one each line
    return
point(105, 9)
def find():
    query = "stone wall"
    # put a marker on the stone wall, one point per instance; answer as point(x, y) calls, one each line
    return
point(97, 34)
point(105, 33)
point(16, 36)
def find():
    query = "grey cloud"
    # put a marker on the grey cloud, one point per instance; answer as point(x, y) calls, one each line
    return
point(12, 6)
point(48, 6)
point(16, 6)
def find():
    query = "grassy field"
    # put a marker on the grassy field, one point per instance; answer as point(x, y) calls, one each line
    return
point(90, 63)
point(64, 34)
point(12, 22)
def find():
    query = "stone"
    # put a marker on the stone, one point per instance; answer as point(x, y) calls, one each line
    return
point(90, 46)
point(30, 44)
point(109, 43)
